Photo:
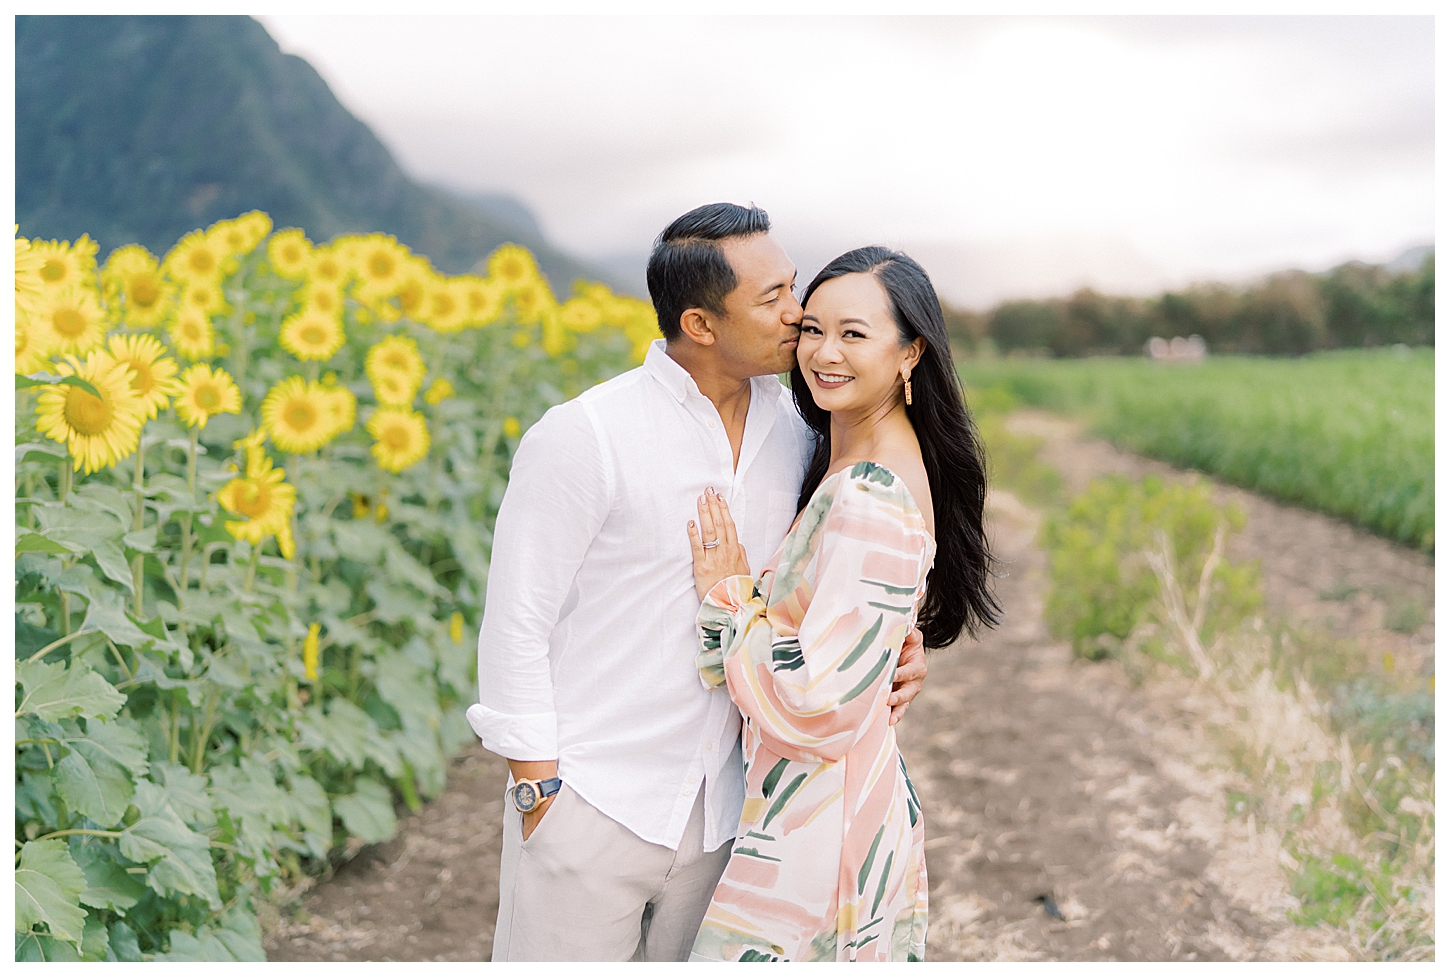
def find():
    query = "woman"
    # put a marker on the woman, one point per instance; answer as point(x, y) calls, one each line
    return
point(828, 861)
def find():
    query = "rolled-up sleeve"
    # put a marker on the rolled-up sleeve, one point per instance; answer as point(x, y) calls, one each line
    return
point(557, 498)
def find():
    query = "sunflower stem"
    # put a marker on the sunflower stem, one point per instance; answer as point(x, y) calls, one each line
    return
point(186, 520)
point(65, 475)
point(252, 569)
point(138, 564)
point(175, 735)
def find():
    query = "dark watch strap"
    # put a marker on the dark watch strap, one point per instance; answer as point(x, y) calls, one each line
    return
point(550, 787)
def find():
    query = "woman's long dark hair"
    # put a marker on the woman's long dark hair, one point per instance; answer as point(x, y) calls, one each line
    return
point(958, 594)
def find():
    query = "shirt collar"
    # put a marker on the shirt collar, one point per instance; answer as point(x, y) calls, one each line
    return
point(765, 390)
point(675, 378)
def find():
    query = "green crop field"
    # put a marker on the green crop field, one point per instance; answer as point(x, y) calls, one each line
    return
point(1350, 433)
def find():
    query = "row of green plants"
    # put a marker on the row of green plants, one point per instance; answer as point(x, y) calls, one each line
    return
point(255, 483)
point(1330, 754)
point(1294, 312)
point(1348, 433)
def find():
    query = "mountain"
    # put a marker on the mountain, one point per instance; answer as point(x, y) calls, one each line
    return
point(1411, 261)
point(143, 128)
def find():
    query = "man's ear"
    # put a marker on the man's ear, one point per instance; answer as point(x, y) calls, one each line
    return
point(696, 325)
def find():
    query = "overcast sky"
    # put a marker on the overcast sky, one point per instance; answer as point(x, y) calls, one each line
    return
point(1012, 156)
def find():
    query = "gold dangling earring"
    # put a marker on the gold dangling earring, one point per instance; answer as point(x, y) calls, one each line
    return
point(906, 379)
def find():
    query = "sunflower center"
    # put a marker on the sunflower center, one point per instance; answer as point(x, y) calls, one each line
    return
point(86, 413)
point(144, 291)
point(256, 500)
point(207, 397)
point(443, 304)
point(396, 362)
point(69, 323)
point(300, 415)
point(191, 329)
point(397, 438)
point(53, 270)
point(410, 296)
point(291, 253)
point(145, 379)
point(314, 335)
point(328, 270)
point(201, 261)
point(380, 265)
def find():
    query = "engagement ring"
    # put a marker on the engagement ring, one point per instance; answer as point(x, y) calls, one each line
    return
point(712, 544)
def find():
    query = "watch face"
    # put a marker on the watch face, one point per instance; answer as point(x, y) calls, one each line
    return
point(525, 797)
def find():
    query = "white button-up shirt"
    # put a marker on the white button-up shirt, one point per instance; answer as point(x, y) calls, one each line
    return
point(587, 650)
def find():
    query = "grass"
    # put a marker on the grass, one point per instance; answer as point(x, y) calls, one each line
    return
point(1348, 433)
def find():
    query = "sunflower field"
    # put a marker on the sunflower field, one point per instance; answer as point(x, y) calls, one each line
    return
point(255, 483)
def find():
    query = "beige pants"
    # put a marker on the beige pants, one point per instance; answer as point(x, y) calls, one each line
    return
point(584, 887)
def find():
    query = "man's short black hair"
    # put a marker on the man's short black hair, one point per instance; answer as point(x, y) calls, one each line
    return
point(688, 268)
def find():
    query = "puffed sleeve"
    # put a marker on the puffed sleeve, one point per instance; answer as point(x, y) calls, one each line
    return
point(811, 693)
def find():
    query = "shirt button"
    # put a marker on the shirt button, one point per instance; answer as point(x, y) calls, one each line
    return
point(711, 422)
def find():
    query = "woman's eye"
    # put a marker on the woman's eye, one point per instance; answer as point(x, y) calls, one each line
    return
point(854, 334)
point(811, 329)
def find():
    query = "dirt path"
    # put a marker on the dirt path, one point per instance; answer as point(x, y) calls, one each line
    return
point(1041, 775)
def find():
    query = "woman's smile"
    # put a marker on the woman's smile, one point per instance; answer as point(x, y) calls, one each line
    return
point(831, 381)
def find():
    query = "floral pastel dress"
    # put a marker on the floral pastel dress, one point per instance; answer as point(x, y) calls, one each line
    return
point(828, 862)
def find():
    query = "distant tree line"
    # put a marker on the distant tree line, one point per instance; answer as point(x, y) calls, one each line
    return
point(1289, 313)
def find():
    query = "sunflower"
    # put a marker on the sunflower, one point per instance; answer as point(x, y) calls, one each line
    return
point(511, 427)
point(205, 297)
point(153, 376)
point(400, 437)
point(195, 258)
point(205, 392)
point(28, 284)
point(312, 651)
point(579, 314)
point(65, 265)
point(290, 253)
point(438, 391)
point(455, 627)
point(133, 275)
point(192, 334)
point(328, 267)
point(264, 498)
point(445, 306)
point(414, 282)
point(512, 267)
point(377, 260)
point(482, 299)
point(396, 369)
point(341, 409)
point(297, 416)
point(68, 320)
point(97, 431)
point(556, 340)
point(532, 300)
point(321, 296)
point(29, 357)
point(312, 334)
point(240, 235)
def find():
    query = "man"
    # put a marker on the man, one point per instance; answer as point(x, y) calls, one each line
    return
point(627, 772)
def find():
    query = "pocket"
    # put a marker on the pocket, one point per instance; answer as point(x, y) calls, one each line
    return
point(546, 821)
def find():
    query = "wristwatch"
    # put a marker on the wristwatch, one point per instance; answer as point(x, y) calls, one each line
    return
point(527, 794)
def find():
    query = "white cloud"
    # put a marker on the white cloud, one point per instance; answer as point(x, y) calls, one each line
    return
point(1027, 155)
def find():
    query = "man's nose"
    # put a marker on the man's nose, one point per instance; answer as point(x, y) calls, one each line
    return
point(792, 314)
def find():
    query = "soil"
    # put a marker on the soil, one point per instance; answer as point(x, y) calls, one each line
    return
point(1049, 782)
